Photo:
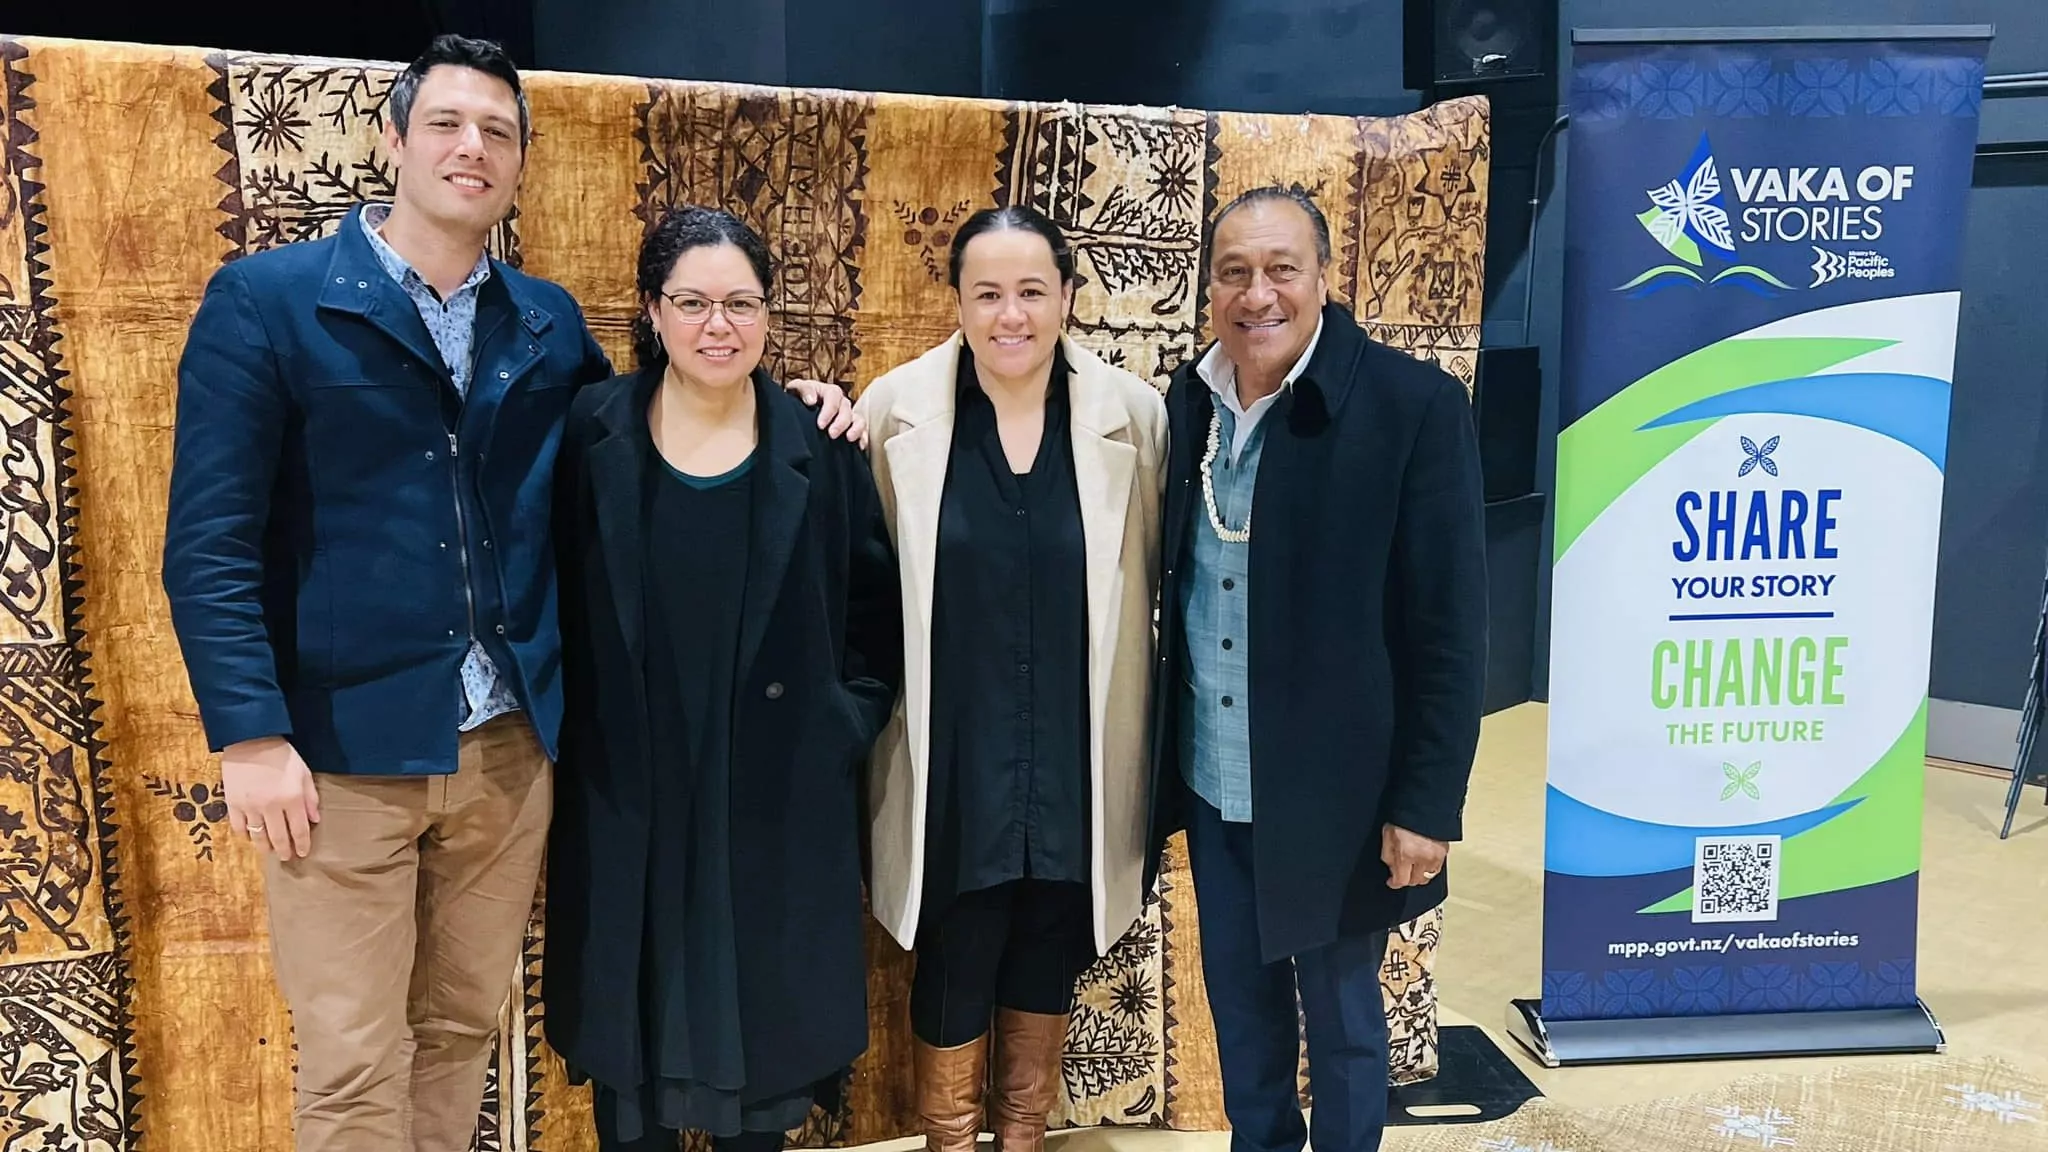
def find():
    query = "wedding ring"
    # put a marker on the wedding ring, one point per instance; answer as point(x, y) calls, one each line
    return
point(253, 828)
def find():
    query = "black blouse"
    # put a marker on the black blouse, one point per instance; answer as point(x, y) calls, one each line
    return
point(1009, 742)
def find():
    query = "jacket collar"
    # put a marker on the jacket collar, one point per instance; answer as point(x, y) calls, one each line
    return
point(1329, 376)
point(356, 282)
point(619, 459)
point(929, 389)
point(1333, 370)
point(623, 414)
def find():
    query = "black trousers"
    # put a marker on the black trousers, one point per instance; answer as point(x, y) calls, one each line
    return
point(664, 1140)
point(1329, 996)
point(1019, 945)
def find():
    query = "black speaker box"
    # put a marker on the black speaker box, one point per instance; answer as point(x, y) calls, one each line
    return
point(1507, 401)
point(1473, 43)
point(1514, 566)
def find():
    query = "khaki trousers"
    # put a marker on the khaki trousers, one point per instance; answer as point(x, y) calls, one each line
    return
point(397, 942)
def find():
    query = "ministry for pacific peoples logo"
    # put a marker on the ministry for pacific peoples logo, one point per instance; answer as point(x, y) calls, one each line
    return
point(1689, 217)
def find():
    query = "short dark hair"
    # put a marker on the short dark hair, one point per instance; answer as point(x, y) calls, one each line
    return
point(1293, 194)
point(458, 52)
point(1012, 218)
point(679, 230)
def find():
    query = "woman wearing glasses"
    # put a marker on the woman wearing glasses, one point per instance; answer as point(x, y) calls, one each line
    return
point(732, 646)
point(1022, 478)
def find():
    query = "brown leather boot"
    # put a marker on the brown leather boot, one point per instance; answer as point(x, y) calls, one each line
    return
point(949, 1093)
point(1027, 1079)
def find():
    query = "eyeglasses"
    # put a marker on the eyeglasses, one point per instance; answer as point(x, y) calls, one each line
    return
point(738, 309)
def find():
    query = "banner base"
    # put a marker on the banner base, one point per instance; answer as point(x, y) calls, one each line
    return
point(1859, 1032)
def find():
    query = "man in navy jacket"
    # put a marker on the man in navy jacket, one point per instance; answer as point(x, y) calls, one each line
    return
point(1322, 650)
point(360, 574)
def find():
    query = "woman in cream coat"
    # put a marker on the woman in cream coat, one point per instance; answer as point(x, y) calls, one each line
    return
point(1021, 478)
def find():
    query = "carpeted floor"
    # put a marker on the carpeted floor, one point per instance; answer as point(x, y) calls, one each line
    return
point(1983, 969)
point(1983, 964)
point(1923, 1105)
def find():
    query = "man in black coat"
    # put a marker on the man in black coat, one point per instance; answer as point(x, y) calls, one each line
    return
point(1320, 675)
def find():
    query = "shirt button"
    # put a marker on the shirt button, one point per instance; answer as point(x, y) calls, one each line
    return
point(504, 375)
point(430, 453)
point(1020, 511)
point(451, 631)
point(487, 545)
point(1226, 644)
point(501, 629)
point(1228, 584)
point(775, 691)
point(362, 283)
point(1226, 701)
point(444, 548)
point(1023, 668)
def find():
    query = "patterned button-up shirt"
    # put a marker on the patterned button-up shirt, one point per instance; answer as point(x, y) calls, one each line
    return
point(452, 324)
point(1215, 709)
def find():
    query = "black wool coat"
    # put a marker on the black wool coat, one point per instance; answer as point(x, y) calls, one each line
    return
point(1367, 630)
point(820, 663)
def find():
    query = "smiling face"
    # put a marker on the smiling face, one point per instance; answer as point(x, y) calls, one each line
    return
point(460, 159)
point(1266, 284)
point(714, 347)
point(1011, 303)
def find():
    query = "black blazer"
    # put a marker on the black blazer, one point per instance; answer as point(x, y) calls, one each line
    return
point(820, 662)
point(1368, 630)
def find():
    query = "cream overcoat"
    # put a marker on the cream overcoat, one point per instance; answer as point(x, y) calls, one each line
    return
point(1118, 425)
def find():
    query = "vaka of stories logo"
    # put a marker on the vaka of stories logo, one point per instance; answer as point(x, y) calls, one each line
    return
point(1705, 242)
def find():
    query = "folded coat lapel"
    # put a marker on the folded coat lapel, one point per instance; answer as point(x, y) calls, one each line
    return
point(1104, 464)
point(918, 458)
point(782, 486)
point(917, 465)
point(617, 464)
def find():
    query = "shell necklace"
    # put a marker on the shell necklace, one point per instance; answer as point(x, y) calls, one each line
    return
point(1223, 532)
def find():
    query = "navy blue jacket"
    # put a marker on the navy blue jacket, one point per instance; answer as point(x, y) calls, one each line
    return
point(341, 521)
point(1368, 631)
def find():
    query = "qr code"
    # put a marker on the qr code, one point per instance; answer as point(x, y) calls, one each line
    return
point(1735, 878)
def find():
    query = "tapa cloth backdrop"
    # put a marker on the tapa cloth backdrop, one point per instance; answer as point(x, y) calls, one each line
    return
point(135, 982)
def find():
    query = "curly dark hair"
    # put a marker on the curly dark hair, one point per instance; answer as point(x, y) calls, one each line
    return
point(689, 226)
point(1012, 218)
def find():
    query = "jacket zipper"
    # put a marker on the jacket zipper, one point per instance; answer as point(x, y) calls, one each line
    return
point(462, 533)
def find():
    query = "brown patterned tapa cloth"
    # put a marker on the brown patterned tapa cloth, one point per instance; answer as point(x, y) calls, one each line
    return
point(135, 985)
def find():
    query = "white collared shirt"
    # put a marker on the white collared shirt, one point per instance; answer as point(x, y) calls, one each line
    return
point(1220, 375)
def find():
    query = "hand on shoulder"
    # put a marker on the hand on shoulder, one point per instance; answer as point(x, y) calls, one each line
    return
point(836, 413)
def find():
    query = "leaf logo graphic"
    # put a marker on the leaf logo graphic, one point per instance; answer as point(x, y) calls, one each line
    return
point(1755, 457)
point(1689, 216)
point(1741, 780)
